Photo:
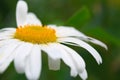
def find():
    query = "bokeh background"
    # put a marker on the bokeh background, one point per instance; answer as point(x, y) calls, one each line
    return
point(97, 18)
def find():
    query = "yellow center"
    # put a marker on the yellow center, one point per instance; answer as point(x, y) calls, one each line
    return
point(35, 34)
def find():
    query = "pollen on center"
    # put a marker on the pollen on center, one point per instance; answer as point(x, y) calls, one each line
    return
point(35, 34)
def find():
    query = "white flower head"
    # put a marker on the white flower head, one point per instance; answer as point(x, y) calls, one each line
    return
point(24, 44)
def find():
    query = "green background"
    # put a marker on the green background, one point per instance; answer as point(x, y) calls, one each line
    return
point(96, 18)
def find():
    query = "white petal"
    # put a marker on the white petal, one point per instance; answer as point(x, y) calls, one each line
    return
point(32, 19)
point(83, 75)
point(6, 50)
point(7, 56)
point(6, 34)
point(5, 37)
point(95, 41)
point(78, 60)
point(7, 62)
point(5, 65)
point(63, 31)
point(21, 12)
point(83, 44)
point(6, 42)
point(54, 64)
point(33, 64)
point(7, 29)
point(73, 73)
point(52, 26)
point(21, 53)
point(52, 50)
point(67, 58)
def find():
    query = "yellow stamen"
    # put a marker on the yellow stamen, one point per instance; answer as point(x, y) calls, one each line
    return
point(35, 34)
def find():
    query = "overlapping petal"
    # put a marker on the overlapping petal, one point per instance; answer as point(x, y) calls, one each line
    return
point(7, 55)
point(52, 50)
point(27, 56)
point(21, 54)
point(23, 17)
point(83, 44)
point(95, 41)
point(83, 75)
point(33, 64)
point(72, 32)
point(65, 31)
point(32, 19)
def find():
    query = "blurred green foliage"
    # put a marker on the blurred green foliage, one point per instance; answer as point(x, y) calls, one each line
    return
point(96, 18)
point(79, 18)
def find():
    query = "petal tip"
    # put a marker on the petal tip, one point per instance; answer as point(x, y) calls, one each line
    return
point(83, 75)
point(21, 12)
point(21, 3)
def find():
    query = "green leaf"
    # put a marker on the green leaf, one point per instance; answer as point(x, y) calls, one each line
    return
point(80, 18)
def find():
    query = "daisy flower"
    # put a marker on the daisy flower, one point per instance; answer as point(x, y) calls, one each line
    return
point(23, 46)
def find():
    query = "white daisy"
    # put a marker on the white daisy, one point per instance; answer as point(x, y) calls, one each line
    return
point(24, 44)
